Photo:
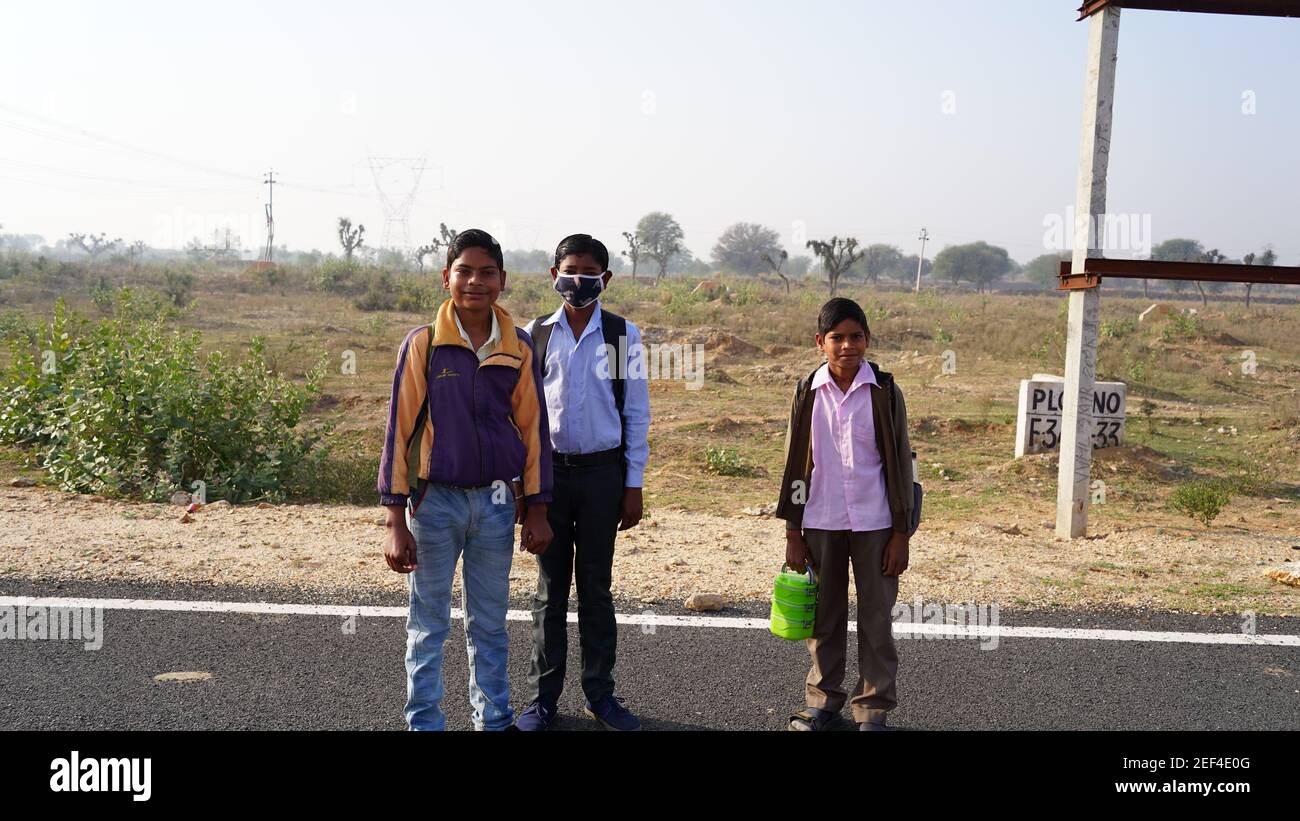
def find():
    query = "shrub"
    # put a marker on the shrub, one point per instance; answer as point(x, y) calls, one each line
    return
point(177, 287)
point(380, 295)
point(1201, 500)
point(334, 276)
point(1118, 328)
point(727, 462)
point(125, 406)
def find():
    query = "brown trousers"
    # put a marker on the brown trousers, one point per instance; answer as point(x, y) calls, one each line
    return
point(875, 695)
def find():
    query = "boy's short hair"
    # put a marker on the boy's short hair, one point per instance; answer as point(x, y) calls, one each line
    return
point(836, 311)
point(582, 244)
point(475, 238)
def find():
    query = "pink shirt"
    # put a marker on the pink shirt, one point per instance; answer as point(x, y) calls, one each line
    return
point(847, 488)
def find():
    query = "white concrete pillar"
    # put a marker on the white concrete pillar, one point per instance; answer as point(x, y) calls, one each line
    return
point(1084, 316)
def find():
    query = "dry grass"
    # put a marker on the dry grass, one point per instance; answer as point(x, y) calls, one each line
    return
point(759, 341)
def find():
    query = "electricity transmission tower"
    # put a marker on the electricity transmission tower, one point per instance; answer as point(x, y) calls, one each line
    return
point(397, 179)
point(269, 250)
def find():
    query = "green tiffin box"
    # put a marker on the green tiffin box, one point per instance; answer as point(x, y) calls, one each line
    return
point(794, 604)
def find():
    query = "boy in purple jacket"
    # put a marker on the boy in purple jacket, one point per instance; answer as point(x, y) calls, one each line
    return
point(466, 423)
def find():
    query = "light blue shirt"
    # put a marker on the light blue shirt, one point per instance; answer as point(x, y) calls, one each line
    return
point(580, 401)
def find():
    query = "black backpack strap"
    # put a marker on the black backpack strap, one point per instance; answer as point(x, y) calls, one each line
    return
point(541, 337)
point(614, 327)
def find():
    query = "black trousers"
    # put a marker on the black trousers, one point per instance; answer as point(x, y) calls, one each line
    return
point(584, 516)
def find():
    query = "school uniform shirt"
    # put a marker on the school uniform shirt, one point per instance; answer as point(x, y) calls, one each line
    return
point(847, 488)
point(580, 401)
point(490, 346)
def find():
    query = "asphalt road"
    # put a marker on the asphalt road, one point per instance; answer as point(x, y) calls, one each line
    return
point(271, 671)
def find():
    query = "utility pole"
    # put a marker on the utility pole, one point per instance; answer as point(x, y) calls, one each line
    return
point(269, 180)
point(925, 235)
point(1072, 485)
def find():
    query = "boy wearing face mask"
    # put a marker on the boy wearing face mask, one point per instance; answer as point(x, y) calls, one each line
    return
point(598, 423)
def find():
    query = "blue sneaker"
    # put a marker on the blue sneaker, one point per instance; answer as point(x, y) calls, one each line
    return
point(539, 716)
point(612, 715)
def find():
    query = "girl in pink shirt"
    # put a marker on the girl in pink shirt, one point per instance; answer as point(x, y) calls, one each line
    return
point(847, 497)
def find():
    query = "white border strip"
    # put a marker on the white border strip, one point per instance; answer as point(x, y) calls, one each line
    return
point(901, 629)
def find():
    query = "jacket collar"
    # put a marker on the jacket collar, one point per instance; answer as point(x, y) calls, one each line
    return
point(508, 352)
point(865, 375)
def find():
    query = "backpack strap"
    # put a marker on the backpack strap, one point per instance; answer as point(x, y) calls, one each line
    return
point(541, 337)
point(614, 328)
point(421, 420)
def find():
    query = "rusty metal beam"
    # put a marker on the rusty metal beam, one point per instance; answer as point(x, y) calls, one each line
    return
point(1097, 267)
point(1257, 8)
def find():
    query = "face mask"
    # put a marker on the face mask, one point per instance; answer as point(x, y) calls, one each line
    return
point(579, 290)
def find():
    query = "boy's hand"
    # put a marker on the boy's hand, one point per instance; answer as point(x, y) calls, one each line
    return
point(896, 551)
point(631, 509)
point(536, 534)
point(797, 555)
point(399, 544)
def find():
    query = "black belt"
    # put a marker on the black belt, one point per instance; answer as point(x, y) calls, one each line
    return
point(578, 460)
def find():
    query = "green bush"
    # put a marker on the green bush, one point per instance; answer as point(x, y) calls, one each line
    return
point(380, 295)
point(126, 406)
point(342, 470)
point(334, 276)
point(1180, 326)
point(1201, 500)
point(1118, 328)
point(727, 462)
point(177, 286)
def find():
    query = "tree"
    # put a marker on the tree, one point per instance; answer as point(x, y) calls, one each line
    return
point(744, 248)
point(1045, 269)
point(686, 263)
point(435, 246)
point(1266, 258)
point(837, 256)
point(880, 259)
point(136, 252)
point(799, 265)
point(535, 261)
point(93, 245)
point(1178, 250)
point(661, 238)
point(979, 262)
point(633, 252)
point(906, 271)
point(350, 238)
point(776, 264)
point(1214, 258)
point(419, 254)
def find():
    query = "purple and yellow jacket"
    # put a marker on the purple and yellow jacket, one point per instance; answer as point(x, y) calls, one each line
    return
point(484, 421)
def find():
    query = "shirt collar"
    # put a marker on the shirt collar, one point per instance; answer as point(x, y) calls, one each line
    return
point(493, 338)
point(560, 317)
point(866, 375)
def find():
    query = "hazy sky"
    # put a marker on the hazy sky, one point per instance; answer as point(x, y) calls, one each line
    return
point(156, 121)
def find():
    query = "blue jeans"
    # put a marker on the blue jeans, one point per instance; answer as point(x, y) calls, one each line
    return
point(449, 522)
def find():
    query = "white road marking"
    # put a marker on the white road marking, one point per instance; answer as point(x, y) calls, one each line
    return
point(901, 629)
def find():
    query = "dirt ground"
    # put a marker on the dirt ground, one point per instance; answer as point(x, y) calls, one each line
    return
point(49, 535)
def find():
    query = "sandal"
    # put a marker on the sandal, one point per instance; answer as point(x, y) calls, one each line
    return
point(805, 720)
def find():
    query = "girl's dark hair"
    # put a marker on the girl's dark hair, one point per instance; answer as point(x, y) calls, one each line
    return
point(475, 238)
point(839, 309)
point(582, 244)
